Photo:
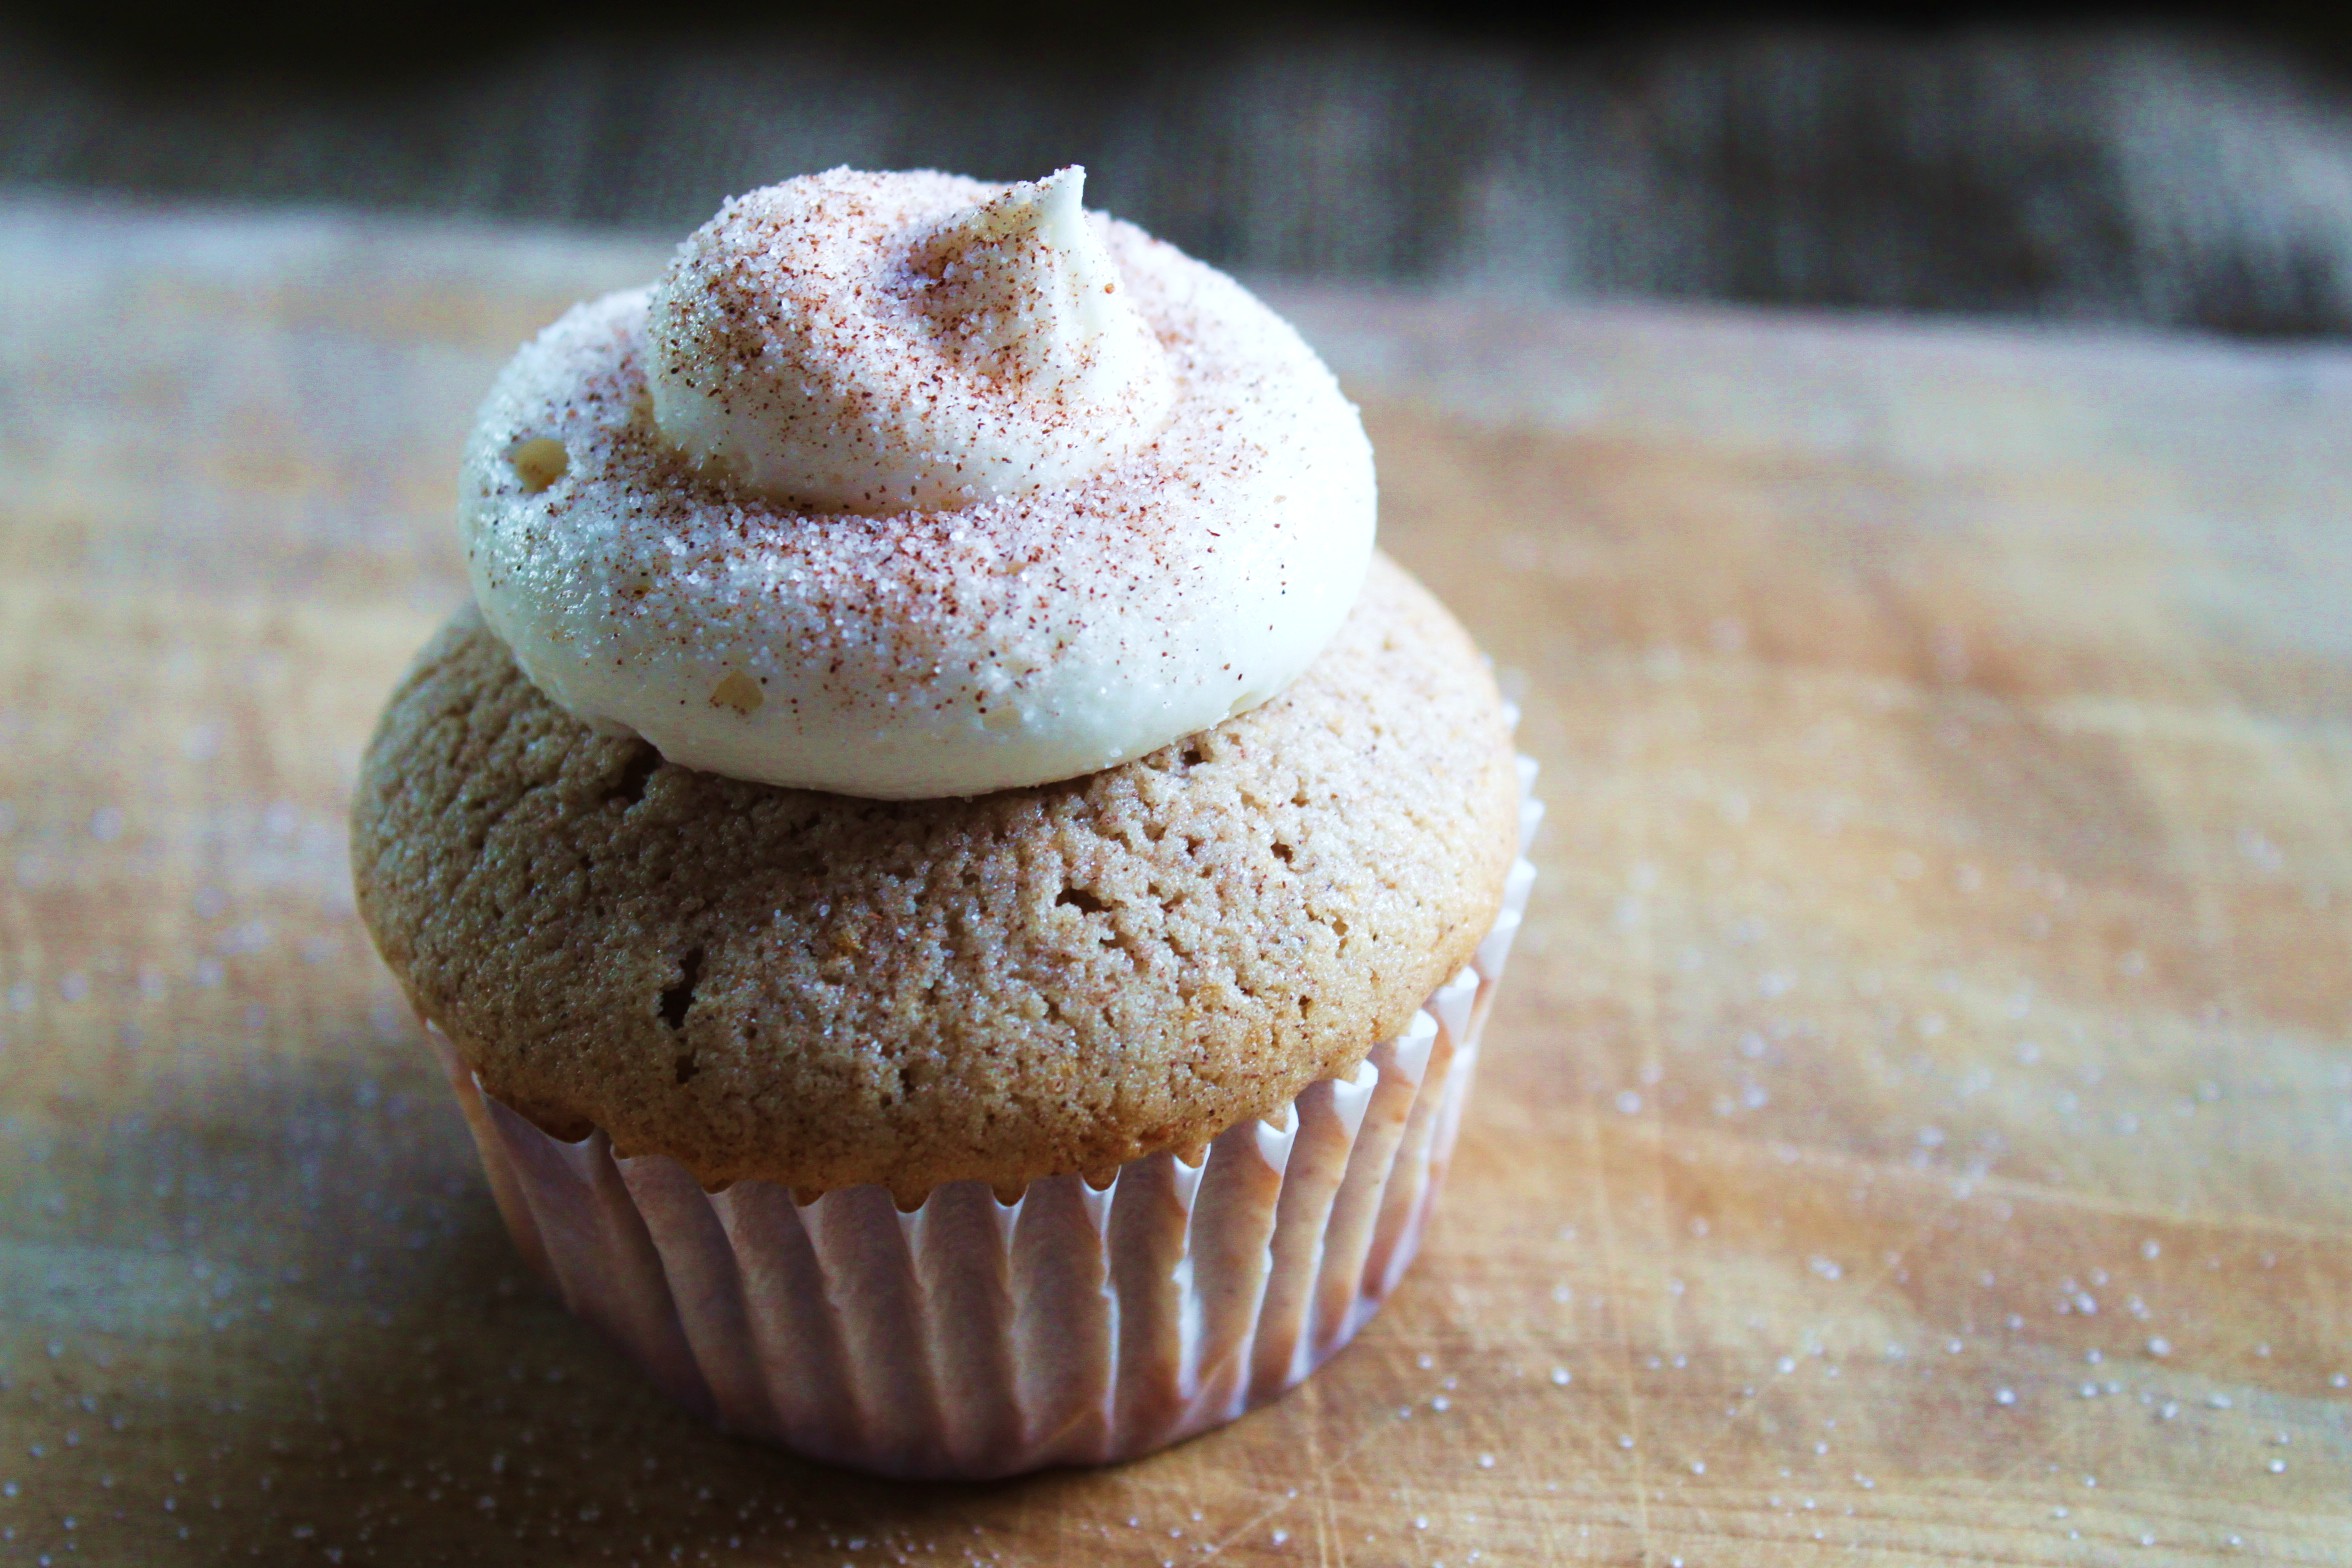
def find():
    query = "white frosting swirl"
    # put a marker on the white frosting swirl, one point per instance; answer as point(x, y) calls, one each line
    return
point(904, 485)
point(830, 342)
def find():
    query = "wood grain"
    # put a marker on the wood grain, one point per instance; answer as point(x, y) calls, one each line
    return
point(1918, 1127)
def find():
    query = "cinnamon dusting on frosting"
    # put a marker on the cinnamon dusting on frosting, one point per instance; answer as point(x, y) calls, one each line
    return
point(834, 342)
point(1126, 577)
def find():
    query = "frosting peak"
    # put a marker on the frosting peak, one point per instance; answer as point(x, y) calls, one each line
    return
point(1022, 289)
point(821, 344)
point(993, 491)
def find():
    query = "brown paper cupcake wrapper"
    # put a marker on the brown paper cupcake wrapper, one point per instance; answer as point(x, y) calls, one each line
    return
point(974, 1338)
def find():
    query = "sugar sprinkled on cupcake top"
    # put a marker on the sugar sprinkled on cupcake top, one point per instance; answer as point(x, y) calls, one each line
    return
point(904, 485)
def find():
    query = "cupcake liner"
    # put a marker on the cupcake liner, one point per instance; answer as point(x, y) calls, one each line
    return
point(973, 1338)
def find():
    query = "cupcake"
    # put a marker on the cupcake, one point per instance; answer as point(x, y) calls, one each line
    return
point(956, 888)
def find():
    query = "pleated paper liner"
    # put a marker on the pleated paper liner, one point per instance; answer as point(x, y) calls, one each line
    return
point(973, 1338)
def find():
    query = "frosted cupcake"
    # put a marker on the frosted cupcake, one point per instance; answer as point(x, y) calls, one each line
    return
point(956, 888)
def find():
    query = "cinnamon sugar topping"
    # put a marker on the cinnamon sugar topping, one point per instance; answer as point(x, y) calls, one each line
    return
point(905, 485)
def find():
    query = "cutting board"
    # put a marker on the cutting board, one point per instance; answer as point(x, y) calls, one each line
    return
point(1917, 1127)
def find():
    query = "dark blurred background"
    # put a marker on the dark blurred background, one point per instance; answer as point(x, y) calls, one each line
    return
point(2183, 167)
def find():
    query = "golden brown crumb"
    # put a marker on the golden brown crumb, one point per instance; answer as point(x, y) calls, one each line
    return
point(825, 991)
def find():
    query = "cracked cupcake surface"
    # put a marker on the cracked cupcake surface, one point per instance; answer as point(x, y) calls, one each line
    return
point(822, 991)
point(911, 486)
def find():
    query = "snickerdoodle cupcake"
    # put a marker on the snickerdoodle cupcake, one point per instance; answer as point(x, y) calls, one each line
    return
point(956, 888)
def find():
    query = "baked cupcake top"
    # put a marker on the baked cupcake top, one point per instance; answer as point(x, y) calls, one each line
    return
point(906, 485)
point(823, 991)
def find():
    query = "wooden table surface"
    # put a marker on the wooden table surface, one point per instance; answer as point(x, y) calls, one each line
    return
point(1918, 1125)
